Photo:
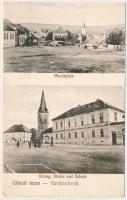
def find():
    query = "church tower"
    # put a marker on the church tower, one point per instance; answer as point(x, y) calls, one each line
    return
point(43, 121)
point(83, 29)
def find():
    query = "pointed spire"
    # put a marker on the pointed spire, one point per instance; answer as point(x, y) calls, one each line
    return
point(42, 107)
point(84, 25)
point(43, 103)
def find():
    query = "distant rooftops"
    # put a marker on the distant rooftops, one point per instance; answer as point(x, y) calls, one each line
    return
point(60, 30)
point(17, 128)
point(90, 107)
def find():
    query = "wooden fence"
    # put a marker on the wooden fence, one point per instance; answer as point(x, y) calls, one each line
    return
point(116, 47)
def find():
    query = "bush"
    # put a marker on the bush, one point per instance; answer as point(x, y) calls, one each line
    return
point(116, 37)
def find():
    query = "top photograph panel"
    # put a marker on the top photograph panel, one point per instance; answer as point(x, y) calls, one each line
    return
point(64, 37)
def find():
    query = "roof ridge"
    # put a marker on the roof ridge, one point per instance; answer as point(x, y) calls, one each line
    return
point(115, 107)
point(90, 107)
point(18, 128)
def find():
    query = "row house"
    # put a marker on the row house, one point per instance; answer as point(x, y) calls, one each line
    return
point(22, 34)
point(93, 123)
point(9, 34)
point(14, 34)
point(17, 133)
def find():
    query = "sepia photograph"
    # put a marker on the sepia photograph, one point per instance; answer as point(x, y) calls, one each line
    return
point(63, 99)
point(73, 37)
point(64, 129)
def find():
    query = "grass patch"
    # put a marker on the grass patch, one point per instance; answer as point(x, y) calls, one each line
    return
point(72, 59)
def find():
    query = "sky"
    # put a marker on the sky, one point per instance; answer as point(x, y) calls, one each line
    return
point(22, 102)
point(93, 14)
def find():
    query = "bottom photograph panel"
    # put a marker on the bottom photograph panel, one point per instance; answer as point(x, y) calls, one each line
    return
point(64, 129)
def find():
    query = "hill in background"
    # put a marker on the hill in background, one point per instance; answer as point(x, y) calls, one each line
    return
point(72, 28)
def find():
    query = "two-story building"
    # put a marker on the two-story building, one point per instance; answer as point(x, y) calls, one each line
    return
point(93, 123)
point(17, 133)
point(96, 123)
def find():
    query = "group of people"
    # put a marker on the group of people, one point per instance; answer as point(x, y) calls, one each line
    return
point(30, 144)
point(38, 143)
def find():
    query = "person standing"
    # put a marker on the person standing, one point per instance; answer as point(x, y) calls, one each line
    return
point(29, 143)
point(17, 143)
point(51, 142)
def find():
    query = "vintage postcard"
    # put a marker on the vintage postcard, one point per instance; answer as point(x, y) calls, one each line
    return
point(63, 99)
point(64, 37)
point(63, 142)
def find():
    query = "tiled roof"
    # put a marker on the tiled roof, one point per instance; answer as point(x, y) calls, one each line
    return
point(8, 26)
point(17, 128)
point(21, 29)
point(90, 107)
point(48, 130)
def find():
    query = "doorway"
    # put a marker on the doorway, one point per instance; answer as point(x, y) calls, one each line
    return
point(113, 138)
point(123, 134)
point(123, 139)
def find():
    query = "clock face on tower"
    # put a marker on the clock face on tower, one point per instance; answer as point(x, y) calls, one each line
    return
point(43, 117)
point(42, 121)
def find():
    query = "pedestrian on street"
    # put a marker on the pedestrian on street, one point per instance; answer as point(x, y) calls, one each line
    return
point(29, 143)
point(17, 143)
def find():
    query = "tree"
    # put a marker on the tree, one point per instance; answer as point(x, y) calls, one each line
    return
point(116, 37)
point(49, 36)
point(84, 38)
point(34, 135)
point(69, 37)
point(72, 37)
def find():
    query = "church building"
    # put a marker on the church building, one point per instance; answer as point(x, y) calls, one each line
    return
point(96, 123)
point(43, 116)
point(44, 131)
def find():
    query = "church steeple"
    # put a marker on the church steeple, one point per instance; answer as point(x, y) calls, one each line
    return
point(43, 114)
point(83, 29)
point(42, 107)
